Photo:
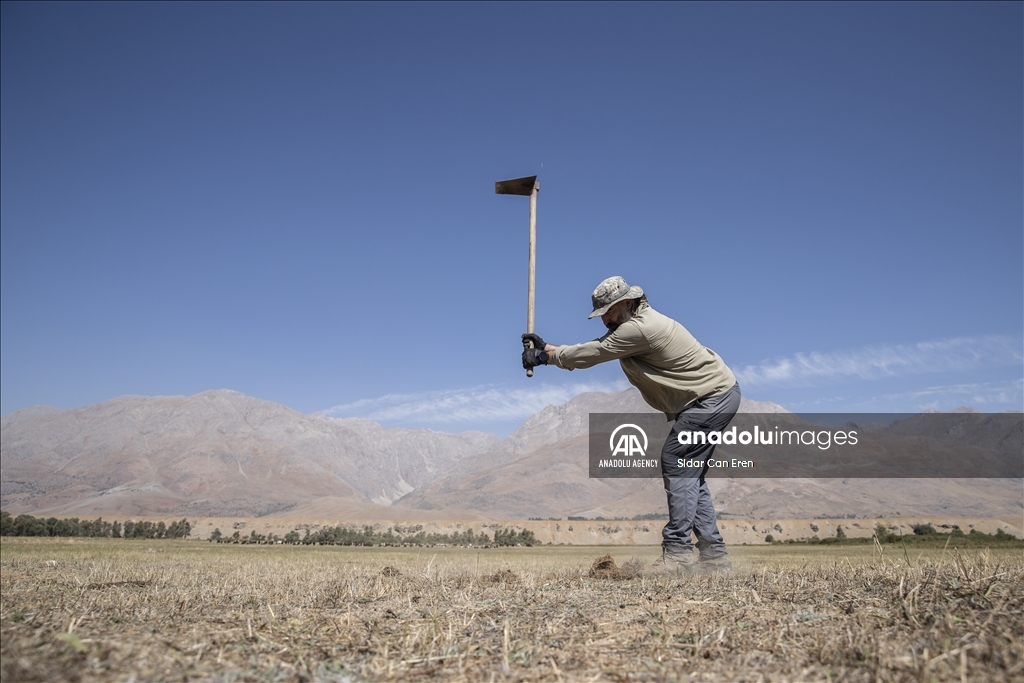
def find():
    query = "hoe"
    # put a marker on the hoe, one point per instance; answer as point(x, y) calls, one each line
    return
point(526, 187)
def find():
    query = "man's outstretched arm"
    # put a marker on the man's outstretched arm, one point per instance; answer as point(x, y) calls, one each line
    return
point(625, 341)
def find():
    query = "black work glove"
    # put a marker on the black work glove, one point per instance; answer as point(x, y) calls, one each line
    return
point(538, 343)
point(534, 357)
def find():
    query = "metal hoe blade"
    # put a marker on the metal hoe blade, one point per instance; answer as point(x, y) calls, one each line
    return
point(520, 186)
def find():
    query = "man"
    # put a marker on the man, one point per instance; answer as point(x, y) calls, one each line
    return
point(678, 376)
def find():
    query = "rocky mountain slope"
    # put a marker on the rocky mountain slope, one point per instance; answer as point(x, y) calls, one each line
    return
point(221, 453)
point(216, 453)
point(541, 471)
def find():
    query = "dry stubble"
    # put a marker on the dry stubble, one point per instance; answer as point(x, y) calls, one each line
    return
point(122, 610)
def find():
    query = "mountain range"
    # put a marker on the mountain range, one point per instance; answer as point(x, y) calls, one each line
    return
point(224, 454)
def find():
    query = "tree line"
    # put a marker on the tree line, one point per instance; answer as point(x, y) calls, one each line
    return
point(369, 536)
point(924, 534)
point(27, 525)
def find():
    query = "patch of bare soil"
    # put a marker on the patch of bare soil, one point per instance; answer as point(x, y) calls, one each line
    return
point(116, 584)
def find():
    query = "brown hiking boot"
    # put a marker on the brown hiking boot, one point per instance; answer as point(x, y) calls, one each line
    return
point(712, 565)
point(713, 557)
point(675, 562)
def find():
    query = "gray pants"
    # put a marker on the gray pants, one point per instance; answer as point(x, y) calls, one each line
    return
point(689, 501)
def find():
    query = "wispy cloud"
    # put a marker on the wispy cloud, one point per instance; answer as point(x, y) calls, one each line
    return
point(473, 404)
point(980, 395)
point(984, 396)
point(875, 362)
point(494, 404)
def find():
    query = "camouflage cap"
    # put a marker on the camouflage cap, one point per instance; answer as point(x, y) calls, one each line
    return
point(610, 292)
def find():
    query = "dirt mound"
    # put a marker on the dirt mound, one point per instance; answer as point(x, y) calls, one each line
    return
point(604, 567)
point(506, 576)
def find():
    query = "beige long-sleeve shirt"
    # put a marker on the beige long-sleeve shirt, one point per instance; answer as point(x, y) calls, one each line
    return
point(660, 358)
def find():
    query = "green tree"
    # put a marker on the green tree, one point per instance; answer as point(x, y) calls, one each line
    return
point(6, 524)
point(27, 525)
point(527, 538)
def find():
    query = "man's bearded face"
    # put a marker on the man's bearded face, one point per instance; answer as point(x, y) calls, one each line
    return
point(616, 315)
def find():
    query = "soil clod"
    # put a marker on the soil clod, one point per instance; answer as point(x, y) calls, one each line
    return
point(604, 567)
point(505, 576)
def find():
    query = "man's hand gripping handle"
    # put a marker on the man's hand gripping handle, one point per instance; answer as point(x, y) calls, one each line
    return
point(533, 352)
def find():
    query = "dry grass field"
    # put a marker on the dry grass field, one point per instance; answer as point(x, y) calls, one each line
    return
point(114, 610)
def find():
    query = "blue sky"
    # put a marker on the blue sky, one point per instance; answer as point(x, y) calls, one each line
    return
point(296, 201)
